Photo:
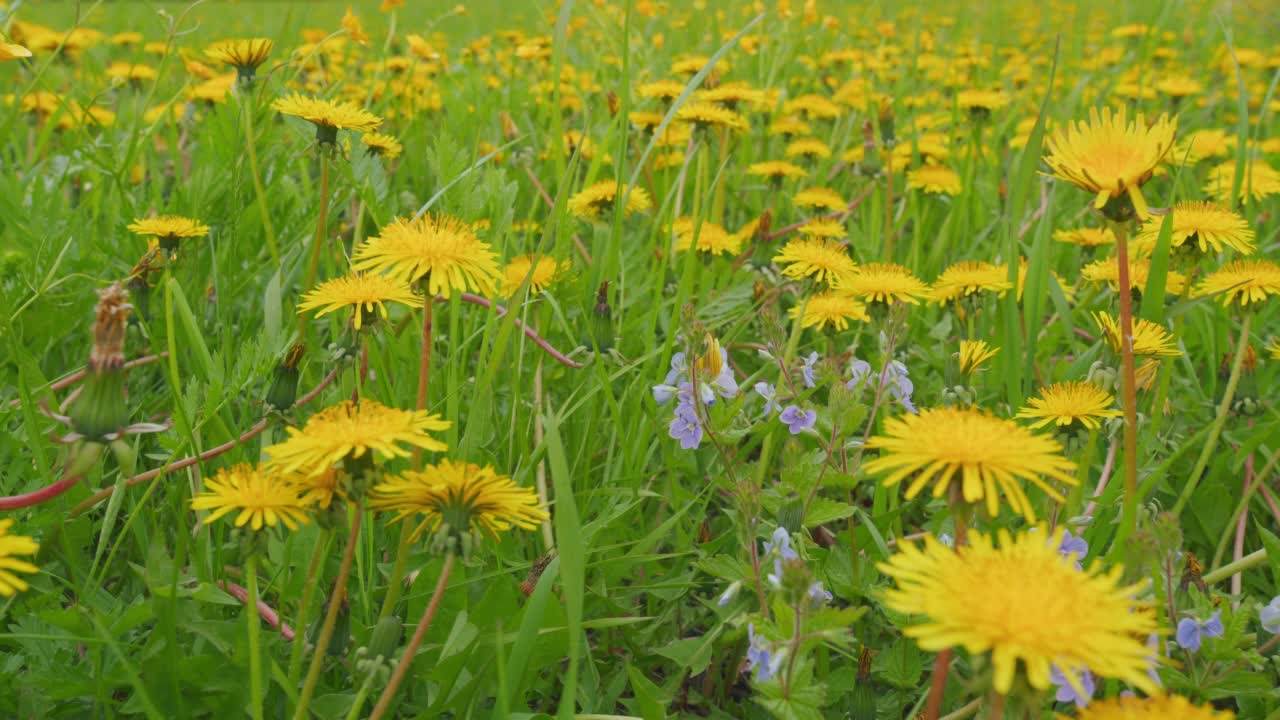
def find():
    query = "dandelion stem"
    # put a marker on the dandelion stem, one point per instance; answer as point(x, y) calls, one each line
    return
point(330, 617)
point(255, 651)
point(406, 659)
point(251, 142)
point(1128, 390)
point(942, 663)
point(1248, 562)
point(313, 265)
point(304, 610)
point(1224, 408)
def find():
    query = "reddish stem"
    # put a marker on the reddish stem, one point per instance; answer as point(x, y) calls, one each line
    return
point(267, 613)
point(78, 374)
point(35, 497)
point(546, 346)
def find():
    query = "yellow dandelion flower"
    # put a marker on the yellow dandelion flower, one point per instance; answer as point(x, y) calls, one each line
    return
point(1111, 156)
point(790, 126)
point(1023, 602)
point(1156, 707)
point(821, 228)
point(986, 455)
point(824, 260)
point(808, 148)
point(1149, 339)
point(1065, 403)
point(441, 251)
point(1202, 144)
point(260, 498)
point(1086, 236)
point(1242, 282)
point(169, 229)
point(819, 197)
point(1107, 270)
point(545, 272)
point(934, 179)
point(886, 283)
point(319, 490)
point(712, 238)
point(12, 51)
point(10, 547)
point(710, 115)
point(1179, 86)
point(645, 120)
point(350, 430)
point(463, 496)
point(382, 145)
point(776, 170)
point(1144, 376)
point(968, 278)
point(981, 103)
point(1204, 225)
point(1273, 348)
point(329, 117)
point(813, 107)
point(245, 55)
point(591, 202)
point(121, 70)
point(1259, 181)
point(363, 293)
point(974, 354)
point(731, 95)
point(351, 23)
point(833, 308)
point(662, 89)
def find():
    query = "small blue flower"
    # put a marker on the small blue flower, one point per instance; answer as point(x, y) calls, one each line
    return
point(770, 395)
point(797, 420)
point(1073, 548)
point(729, 592)
point(807, 370)
point(818, 594)
point(1269, 614)
point(860, 370)
point(899, 385)
point(781, 542)
point(1191, 632)
point(759, 658)
point(664, 392)
point(686, 427)
point(1066, 693)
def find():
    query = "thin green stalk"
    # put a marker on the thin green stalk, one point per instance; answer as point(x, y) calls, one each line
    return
point(1224, 408)
point(1248, 562)
point(304, 612)
point(406, 659)
point(1249, 492)
point(793, 342)
point(313, 265)
point(251, 142)
point(330, 617)
point(255, 644)
point(1129, 390)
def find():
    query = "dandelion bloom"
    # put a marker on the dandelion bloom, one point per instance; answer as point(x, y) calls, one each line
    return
point(1203, 225)
point(442, 251)
point(981, 101)
point(710, 115)
point(1110, 155)
point(662, 89)
point(791, 126)
point(1242, 282)
point(819, 197)
point(968, 278)
point(363, 293)
point(260, 498)
point(1156, 707)
point(1273, 348)
point(1023, 602)
point(12, 51)
point(987, 455)
point(808, 147)
point(461, 495)
point(820, 228)
point(1107, 271)
point(545, 271)
point(1202, 144)
point(974, 354)
point(775, 170)
point(833, 308)
point(825, 260)
point(1259, 181)
point(934, 179)
point(1065, 403)
point(591, 202)
point(886, 283)
point(329, 117)
point(10, 547)
point(1086, 236)
point(245, 55)
point(711, 238)
point(351, 430)
point(168, 229)
point(1149, 339)
point(382, 145)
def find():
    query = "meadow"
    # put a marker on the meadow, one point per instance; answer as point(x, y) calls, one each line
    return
point(612, 359)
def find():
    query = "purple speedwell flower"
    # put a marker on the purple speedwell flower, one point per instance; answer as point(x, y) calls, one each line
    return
point(1191, 632)
point(770, 395)
point(663, 392)
point(781, 542)
point(807, 369)
point(797, 420)
point(729, 592)
point(1073, 548)
point(1067, 693)
point(859, 370)
point(818, 594)
point(686, 427)
point(1269, 614)
point(894, 376)
point(759, 658)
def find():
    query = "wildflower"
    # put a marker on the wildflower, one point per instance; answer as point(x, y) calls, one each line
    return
point(894, 376)
point(974, 354)
point(965, 279)
point(711, 238)
point(1242, 282)
point(1202, 144)
point(1202, 225)
point(382, 145)
point(715, 376)
point(1006, 598)
point(12, 51)
point(685, 426)
point(244, 55)
point(1258, 182)
point(709, 115)
point(729, 592)
point(821, 228)
point(10, 547)
point(1087, 236)
point(389, 5)
point(1070, 402)
point(809, 148)
point(833, 308)
point(759, 658)
point(780, 543)
point(541, 271)
point(260, 498)
point(463, 497)
point(168, 229)
point(328, 117)
point(934, 179)
point(808, 365)
point(662, 89)
point(1111, 156)
point(797, 420)
point(1269, 614)
point(818, 594)
point(980, 103)
point(819, 197)
point(1107, 270)
point(591, 202)
point(860, 370)
point(886, 284)
point(362, 293)
point(1273, 348)
point(439, 250)
point(351, 23)
point(1080, 695)
point(987, 456)
point(1149, 339)
point(770, 395)
point(353, 431)
point(1156, 707)
point(1191, 632)
point(824, 260)
point(776, 170)
point(1072, 547)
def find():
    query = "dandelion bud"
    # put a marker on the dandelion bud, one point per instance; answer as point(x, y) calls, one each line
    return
point(886, 123)
point(100, 409)
point(615, 105)
point(763, 225)
point(1119, 209)
point(373, 658)
point(284, 384)
point(602, 319)
point(509, 129)
point(1104, 376)
point(863, 703)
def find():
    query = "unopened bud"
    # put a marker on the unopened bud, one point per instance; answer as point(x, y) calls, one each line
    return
point(100, 409)
point(602, 319)
point(284, 383)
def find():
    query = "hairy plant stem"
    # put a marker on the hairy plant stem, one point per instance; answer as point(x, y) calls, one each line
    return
point(330, 617)
point(406, 659)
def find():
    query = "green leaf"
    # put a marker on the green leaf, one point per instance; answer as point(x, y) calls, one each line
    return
point(823, 510)
point(1272, 545)
point(570, 545)
point(650, 699)
point(692, 654)
point(1153, 293)
point(900, 665)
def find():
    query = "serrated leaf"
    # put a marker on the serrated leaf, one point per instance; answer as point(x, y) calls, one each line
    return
point(900, 665)
point(692, 654)
point(823, 510)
